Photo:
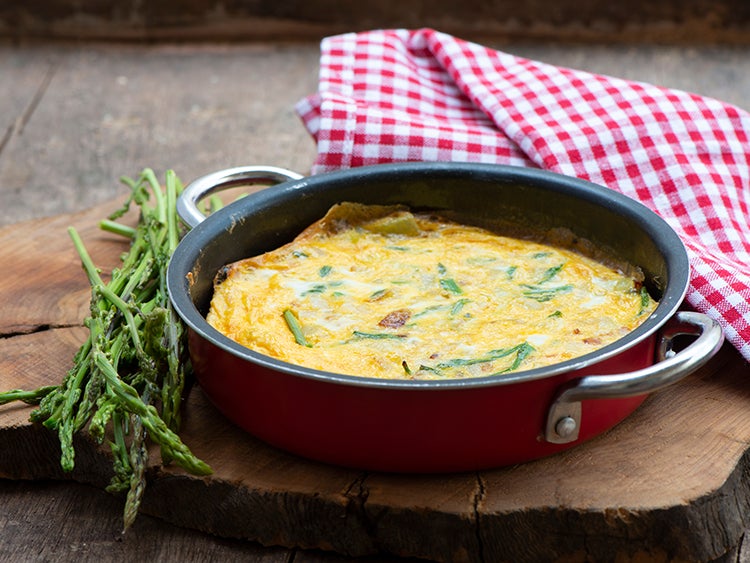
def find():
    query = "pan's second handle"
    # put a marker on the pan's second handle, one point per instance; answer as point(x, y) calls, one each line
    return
point(197, 190)
point(564, 416)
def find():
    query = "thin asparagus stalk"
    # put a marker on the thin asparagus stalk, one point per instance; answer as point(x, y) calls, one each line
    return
point(29, 397)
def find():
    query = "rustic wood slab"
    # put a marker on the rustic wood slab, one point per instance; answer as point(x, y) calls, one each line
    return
point(669, 483)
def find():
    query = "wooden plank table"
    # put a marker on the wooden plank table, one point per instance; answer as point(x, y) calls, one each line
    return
point(669, 483)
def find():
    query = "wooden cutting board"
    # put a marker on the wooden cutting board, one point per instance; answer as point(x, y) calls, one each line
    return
point(669, 483)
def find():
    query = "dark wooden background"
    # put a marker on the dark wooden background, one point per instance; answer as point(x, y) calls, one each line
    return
point(685, 21)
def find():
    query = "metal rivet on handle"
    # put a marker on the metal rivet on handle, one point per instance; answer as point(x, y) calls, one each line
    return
point(565, 427)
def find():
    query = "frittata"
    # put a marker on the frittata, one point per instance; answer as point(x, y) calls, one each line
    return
point(381, 291)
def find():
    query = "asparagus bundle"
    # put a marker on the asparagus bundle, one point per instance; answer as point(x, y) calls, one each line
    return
point(130, 373)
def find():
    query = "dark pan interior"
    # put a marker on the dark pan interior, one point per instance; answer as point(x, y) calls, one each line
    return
point(484, 194)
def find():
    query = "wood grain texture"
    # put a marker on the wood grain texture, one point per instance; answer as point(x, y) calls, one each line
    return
point(670, 483)
point(76, 118)
point(47, 287)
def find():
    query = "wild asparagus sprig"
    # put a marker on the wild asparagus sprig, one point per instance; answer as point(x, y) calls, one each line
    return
point(130, 373)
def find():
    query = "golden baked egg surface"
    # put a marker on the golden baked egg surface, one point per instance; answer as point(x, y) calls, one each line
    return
point(383, 292)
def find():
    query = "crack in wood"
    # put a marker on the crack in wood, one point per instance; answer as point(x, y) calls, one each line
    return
point(16, 128)
point(480, 494)
point(356, 495)
point(36, 329)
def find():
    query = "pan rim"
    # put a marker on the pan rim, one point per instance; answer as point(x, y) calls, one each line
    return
point(675, 255)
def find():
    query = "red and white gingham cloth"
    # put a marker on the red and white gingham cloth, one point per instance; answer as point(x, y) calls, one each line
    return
point(422, 95)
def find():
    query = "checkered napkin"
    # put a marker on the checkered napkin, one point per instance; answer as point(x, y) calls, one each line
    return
point(422, 95)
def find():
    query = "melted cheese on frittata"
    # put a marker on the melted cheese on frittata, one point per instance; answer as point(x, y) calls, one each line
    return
point(381, 292)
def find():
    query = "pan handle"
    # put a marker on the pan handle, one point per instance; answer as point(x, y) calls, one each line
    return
point(187, 203)
point(564, 417)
